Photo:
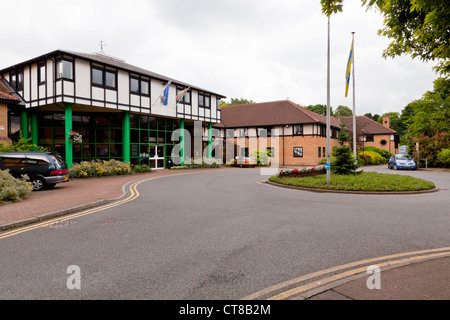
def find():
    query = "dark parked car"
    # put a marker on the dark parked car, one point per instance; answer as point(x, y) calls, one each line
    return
point(402, 161)
point(45, 169)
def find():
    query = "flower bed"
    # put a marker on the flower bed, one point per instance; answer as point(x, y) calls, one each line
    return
point(303, 172)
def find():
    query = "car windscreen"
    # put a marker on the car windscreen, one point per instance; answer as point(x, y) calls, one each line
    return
point(403, 157)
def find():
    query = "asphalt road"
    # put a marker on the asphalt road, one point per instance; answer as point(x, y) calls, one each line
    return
point(217, 235)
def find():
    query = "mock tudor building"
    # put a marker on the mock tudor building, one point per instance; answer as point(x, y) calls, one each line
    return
point(294, 135)
point(119, 109)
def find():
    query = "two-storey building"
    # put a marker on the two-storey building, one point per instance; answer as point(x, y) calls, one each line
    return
point(120, 110)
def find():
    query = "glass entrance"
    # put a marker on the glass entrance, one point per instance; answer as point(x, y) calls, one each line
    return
point(156, 157)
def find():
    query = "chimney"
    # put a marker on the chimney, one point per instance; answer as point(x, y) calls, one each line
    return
point(386, 121)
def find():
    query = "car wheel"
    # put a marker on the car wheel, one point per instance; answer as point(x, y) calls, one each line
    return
point(395, 167)
point(37, 183)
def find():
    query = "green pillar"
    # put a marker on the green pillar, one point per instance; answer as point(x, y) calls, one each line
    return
point(34, 129)
point(24, 123)
point(126, 137)
point(209, 140)
point(67, 130)
point(182, 142)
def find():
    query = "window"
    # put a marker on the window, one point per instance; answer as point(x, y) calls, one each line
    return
point(229, 133)
point(204, 100)
point(298, 129)
point(270, 152)
point(64, 70)
point(298, 152)
point(369, 138)
point(243, 132)
point(41, 72)
point(323, 151)
point(16, 80)
point(110, 79)
point(145, 87)
point(244, 152)
point(186, 98)
point(134, 85)
point(97, 77)
point(139, 86)
point(323, 130)
point(383, 142)
point(320, 152)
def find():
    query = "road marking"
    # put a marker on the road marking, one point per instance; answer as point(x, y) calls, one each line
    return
point(134, 193)
point(307, 287)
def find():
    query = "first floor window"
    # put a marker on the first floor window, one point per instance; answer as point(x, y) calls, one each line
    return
point(134, 85)
point(369, 138)
point(65, 70)
point(298, 129)
point(298, 152)
point(41, 72)
point(97, 77)
point(110, 79)
point(243, 132)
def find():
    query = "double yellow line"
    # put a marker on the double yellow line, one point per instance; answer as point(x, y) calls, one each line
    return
point(134, 193)
point(297, 289)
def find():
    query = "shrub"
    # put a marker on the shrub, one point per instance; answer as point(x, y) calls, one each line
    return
point(141, 168)
point(371, 157)
point(99, 168)
point(21, 145)
point(343, 162)
point(443, 158)
point(12, 189)
point(384, 153)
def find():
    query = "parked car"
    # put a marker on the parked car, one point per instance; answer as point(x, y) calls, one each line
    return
point(244, 162)
point(45, 169)
point(402, 161)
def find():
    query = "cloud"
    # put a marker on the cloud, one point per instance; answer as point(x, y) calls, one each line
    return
point(256, 49)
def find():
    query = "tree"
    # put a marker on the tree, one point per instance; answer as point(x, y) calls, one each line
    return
point(236, 101)
point(320, 109)
point(373, 117)
point(343, 111)
point(343, 161)
point(418, 28)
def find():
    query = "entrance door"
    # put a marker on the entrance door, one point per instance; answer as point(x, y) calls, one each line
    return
point(156, 157)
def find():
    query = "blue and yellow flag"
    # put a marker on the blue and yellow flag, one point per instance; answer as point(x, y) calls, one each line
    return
point(349, 67)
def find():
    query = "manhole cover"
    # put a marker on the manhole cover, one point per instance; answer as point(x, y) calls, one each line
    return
point(60, 224)
point(108, 222)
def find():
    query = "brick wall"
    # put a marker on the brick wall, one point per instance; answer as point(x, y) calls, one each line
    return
point(4, 123)
point(284, 148)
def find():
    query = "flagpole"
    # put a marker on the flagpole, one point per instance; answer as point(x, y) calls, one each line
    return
point(328, 104)
point(354, 113)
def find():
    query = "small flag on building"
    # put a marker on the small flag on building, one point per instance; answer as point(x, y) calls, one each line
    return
point(166, 94)
point(349, 67)
point(181, 94)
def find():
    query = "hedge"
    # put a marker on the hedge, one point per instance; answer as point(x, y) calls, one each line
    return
point(12, 189)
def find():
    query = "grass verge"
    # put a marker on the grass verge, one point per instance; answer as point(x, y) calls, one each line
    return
point(364, 181)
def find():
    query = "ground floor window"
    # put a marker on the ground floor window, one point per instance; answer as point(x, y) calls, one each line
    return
point(298, 152)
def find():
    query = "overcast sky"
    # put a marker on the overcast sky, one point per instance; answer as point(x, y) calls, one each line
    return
point(263, 50)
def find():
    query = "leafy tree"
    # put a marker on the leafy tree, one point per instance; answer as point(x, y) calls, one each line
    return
point(320, 109)
point(418, 28)
point(373, 117)
point(236, 101)
point(343, 111)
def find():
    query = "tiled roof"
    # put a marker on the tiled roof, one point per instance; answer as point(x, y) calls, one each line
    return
point(270, 113)
point(370, 126)
point(5, 93)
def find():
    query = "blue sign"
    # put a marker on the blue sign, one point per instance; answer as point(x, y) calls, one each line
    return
point(327, 166)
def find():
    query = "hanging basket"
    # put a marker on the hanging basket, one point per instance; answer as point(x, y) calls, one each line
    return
point(75, 137)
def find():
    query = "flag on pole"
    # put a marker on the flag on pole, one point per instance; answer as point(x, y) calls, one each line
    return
point(166, 94)
point(349, 67)
point(181, 94)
